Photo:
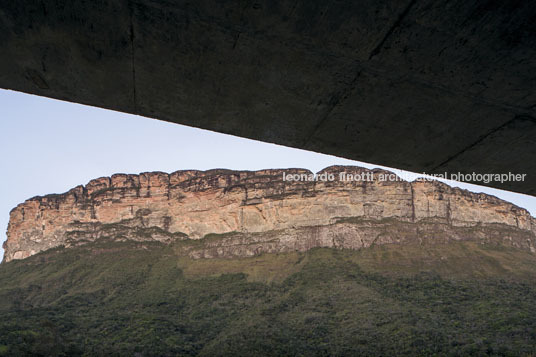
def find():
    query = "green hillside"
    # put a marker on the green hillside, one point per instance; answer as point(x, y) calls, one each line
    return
point(145, 299)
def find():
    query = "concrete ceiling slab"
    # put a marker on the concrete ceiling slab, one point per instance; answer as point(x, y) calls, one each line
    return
point(420, 85)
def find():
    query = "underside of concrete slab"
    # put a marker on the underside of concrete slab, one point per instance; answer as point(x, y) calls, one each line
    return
point(422, 85)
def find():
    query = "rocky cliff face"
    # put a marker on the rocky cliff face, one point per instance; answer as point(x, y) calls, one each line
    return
point(243, 213)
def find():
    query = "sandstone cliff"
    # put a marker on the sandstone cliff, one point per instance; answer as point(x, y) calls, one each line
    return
point(242, 213)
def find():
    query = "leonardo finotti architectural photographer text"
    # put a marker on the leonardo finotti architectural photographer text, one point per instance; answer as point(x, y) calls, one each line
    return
point(370, 176)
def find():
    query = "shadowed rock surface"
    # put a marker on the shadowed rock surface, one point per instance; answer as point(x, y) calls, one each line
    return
point(224, 213)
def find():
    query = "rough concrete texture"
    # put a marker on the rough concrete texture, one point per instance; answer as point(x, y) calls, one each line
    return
point(242, 213)
point(420, 85)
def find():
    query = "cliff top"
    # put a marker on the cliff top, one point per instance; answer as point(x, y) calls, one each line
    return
point(119, 180)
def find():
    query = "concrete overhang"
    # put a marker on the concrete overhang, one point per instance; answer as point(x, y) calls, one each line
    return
point(422, 85)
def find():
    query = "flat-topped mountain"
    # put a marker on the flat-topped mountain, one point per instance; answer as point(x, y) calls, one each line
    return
point(445, 271)
point(245, 213)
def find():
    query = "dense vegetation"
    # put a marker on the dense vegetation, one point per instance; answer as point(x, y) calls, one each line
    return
point(144, 299)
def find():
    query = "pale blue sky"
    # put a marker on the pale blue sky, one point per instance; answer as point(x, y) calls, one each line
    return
point(49, 146)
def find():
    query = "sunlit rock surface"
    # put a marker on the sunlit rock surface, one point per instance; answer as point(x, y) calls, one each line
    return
point(244, 213)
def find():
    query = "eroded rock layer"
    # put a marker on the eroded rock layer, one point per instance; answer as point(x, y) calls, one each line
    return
point(242, 213)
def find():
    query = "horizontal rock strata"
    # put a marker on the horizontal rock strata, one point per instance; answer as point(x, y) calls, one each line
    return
point(243, 213)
